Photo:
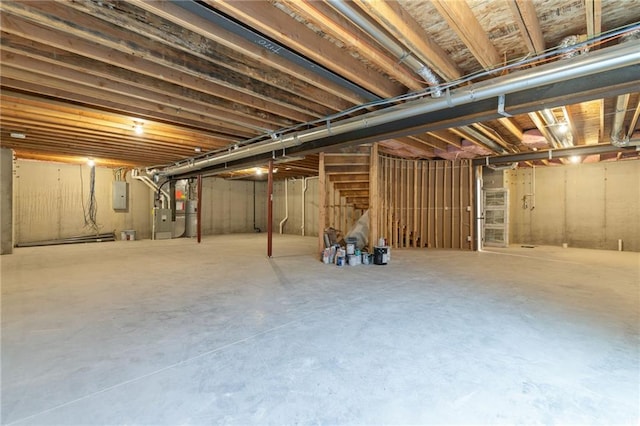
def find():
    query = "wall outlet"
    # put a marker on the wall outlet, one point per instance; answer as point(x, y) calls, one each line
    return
point(468, 238)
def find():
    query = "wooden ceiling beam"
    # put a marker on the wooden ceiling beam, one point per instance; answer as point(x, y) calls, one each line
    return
point(169, 11)
point(401, 25)
point(512, 127)
point(461, 19)
point(21, 88)
point(156, 61)
point(71, 159)
point(447, 137)
point(593, 11)
point(578, 137)
point(71, 86)
point(157, 28)
point(416, 144)
point(524, 14)
point(267, 19)
point(338, 27)
point(21, 104)
point(182, 101)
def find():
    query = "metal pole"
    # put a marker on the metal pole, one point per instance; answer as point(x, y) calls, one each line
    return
point(199, 208)
point(270, 210)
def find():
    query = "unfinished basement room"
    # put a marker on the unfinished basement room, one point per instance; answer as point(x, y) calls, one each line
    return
point(320, 212)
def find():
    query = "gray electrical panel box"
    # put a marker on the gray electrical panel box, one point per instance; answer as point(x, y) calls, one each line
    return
point(120, 195)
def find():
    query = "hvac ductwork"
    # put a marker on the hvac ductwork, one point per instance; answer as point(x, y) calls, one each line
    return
point(484, 140)
point(604, 60)
point(562, 139)
point(618, 135)
point(398, 51)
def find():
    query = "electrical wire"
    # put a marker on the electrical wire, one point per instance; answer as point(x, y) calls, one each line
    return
point(527, 61)
point(91, 213)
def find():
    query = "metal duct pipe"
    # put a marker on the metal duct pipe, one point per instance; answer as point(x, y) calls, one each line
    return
point(597, 62)
point(484, 140)
point(235, 154)
point(561, 140)
point(618, 137)
point(390, 44)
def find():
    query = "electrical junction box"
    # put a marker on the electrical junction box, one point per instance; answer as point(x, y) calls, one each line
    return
point(120, 195)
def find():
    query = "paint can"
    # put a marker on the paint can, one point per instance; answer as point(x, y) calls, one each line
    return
point(340, 261)
point(380, 255)
point(353, 260)
point(351, 245)
point(365, 258)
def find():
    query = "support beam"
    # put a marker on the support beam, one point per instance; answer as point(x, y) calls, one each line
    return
point(593, 10)
point(524, 14)
point(199, 207)
point(322, 202)
point(374, 190)
point(461, 19)
point(270, 210)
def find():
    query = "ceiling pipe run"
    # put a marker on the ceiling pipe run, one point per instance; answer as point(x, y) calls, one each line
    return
point(549, 154)
point(618, 136)
point(390, 44)
point(561, 139)
point(610, 59)
point(483, 139)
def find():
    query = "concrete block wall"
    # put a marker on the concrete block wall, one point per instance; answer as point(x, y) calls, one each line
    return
point(293, 225)
point(49, 197)
point(228, 206)
point(584, 205)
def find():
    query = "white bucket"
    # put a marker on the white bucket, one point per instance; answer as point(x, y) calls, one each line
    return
point(353, 260)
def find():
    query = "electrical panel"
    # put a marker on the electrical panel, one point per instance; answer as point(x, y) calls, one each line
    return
point(120, 195)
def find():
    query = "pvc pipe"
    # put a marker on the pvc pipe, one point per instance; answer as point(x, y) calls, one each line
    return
point(304, 190)
point(286, 205)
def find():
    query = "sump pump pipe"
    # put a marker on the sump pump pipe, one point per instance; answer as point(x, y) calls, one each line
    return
point(286, 206)
point(612, 58)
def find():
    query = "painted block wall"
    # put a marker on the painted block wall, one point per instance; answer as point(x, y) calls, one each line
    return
point(293, 225)
point(49, 197)
point(583, 205)
point(228, 206)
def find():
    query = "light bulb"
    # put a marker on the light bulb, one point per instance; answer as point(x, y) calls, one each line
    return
point(575, 159)
point(138, 129)
point(91, 163)
point(258, 171)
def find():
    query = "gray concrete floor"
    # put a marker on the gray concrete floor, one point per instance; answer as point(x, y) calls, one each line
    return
point(171, 332)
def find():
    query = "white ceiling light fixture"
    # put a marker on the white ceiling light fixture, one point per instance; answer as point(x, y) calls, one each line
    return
point(17, 135)
point(575, 159)
point(563, 128)
point(91, 162)
point(258, 171)
point(137, 127)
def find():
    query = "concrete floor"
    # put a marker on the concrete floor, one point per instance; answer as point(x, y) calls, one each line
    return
point(171, 332)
